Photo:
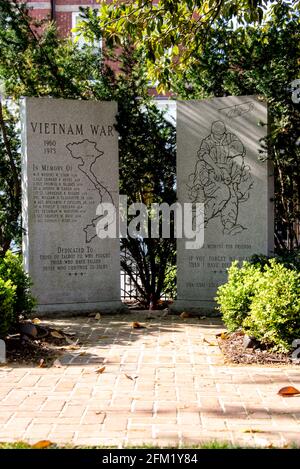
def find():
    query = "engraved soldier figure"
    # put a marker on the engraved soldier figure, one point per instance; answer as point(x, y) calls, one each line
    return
point(221, 179)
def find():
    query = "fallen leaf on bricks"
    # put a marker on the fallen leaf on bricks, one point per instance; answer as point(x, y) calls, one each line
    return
point(185, 315)
point(211, 344)
point(131, 377)
point(71, 347)
point(42, 363)
point(83, 353)
point(249, 430)
point(137, 325)
point(71, 342)
point(36, 321)
point(100, 370)
point(223, 335)
point(98, 316)
point(42, 444)
point(57, 364)
point(57, 335)
point(288, 391)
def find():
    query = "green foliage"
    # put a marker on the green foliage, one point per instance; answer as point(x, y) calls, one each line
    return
point(171, 32)
point(235, 296)
point(35, 61)
point(290, 259)
point(170, 282)
point(263, 299)
point(10, 183)
point(15, 296)
point(147, 172)
point(7, 301)
point(274, 317)
point(11, 269)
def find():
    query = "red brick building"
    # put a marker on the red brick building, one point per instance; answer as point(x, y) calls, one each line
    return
point(64, 12)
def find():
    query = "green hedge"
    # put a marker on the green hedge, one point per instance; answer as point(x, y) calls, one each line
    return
point(235, 296)
point(263, 301)
point(15, 298)
point(7, 302)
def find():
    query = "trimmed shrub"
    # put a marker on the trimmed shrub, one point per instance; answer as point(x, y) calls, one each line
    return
point(15, 296)
point(274, 317)
point(235, 296)
point(11, 268)
point(7, 302)
point(263, 299)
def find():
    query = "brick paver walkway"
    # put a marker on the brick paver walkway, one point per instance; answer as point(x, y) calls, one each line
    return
point(181, 391)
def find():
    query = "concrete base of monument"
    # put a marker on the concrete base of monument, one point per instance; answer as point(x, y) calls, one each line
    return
point(72, 309)
point(204, 307)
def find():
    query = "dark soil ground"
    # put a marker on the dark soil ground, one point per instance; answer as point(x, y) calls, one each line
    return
point(37, 352)
point(233, 349)
point(41, 351)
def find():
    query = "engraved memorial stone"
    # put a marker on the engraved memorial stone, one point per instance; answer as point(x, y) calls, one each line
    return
point(218, 164)
point(70, 166)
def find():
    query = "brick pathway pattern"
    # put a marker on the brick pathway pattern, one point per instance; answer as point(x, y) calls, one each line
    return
point(166, 384)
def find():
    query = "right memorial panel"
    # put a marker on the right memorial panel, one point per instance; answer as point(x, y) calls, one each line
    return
point(220, 164)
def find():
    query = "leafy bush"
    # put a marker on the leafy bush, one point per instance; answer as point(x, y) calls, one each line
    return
point(7, 302)
point(11, 268)
point(274, 316)
point(290, 259)
point(234, 297)
point(170, 285)
point(263, 299)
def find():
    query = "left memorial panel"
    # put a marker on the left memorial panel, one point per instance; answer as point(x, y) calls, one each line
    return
point(69, 167)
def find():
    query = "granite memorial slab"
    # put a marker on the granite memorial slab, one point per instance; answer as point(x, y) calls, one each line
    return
point(69, 167)
point(220, 165)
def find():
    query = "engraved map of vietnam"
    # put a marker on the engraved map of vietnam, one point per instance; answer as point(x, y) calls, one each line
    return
point(86, 153)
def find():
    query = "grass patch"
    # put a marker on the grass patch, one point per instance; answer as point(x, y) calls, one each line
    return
point(207, 445)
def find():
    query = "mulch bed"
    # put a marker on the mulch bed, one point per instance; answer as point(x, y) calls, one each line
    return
point(37, 352)
point(232, 347)
point(40, 351)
